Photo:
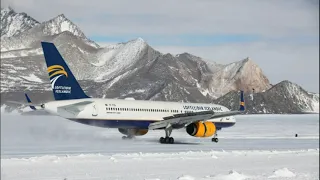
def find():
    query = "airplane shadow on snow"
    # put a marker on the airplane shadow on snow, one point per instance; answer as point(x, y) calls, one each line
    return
point(175, 142)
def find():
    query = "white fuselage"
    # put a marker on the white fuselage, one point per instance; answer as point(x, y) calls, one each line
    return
point(119, 113)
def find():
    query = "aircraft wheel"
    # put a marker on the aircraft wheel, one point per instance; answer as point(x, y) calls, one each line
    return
point(166, 140)
point(161, 140)
point(171, 140)
point(215, 140)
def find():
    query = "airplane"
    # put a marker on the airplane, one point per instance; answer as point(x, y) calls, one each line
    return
point(131, 117)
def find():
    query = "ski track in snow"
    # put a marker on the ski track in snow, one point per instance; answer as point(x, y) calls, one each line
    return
point(46, 147)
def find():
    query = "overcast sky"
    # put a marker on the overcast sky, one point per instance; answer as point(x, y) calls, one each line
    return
point(281, 36)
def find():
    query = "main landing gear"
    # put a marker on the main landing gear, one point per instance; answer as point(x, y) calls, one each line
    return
point(167, 139)
point(215, 139)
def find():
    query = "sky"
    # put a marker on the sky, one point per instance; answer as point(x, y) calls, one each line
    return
point(280, 36)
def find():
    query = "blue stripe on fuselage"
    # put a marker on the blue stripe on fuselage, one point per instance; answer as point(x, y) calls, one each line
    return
point(141, 124)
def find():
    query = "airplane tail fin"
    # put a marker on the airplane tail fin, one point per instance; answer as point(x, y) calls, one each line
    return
point(242, 104)
point(64, 85)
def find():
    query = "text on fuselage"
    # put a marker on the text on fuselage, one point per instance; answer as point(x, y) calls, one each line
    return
point(202, 108)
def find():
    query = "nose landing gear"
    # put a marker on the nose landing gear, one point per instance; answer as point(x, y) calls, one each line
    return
point(215, 139)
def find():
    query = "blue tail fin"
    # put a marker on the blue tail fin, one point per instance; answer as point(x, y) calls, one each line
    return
point(242, 105)
point(64, 84)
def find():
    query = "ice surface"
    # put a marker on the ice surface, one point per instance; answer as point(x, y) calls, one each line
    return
point(186, 177)
point(196, 165)
point(257, 147)
point(233, 175)
point(284, 172)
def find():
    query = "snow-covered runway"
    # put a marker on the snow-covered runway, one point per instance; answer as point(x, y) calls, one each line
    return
point(257, 147)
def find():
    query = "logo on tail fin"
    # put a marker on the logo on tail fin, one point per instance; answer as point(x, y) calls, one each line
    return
point(56, 72)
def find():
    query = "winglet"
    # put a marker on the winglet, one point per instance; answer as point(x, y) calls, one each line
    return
point(29, 101)
point(242, 105)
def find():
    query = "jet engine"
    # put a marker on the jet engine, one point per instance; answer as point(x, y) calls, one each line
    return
point(201, 129)
point(133, 132)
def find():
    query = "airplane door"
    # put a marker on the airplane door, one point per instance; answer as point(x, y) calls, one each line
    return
point(94, 110)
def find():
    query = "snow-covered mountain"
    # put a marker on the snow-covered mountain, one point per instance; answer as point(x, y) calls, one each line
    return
point(129, 69)
point(13, 23)
point(46, 31)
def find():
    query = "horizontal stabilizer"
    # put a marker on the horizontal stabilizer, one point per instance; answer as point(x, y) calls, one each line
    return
point(38, 112)
point(75, 108)
point(23, 103)
point(29, 101)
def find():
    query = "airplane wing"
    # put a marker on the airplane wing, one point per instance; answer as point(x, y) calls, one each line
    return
point(75, 108)
point(185, 118)
point(188, 118)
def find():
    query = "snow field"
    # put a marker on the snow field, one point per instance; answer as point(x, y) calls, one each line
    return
point(222, 165)
point(257, 147)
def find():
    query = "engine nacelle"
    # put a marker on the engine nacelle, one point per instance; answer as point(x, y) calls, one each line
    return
point(133, 132)
point(201, 129)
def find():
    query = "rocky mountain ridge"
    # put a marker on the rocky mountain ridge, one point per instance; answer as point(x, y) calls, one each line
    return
point(283, 98)
point(13, 23)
